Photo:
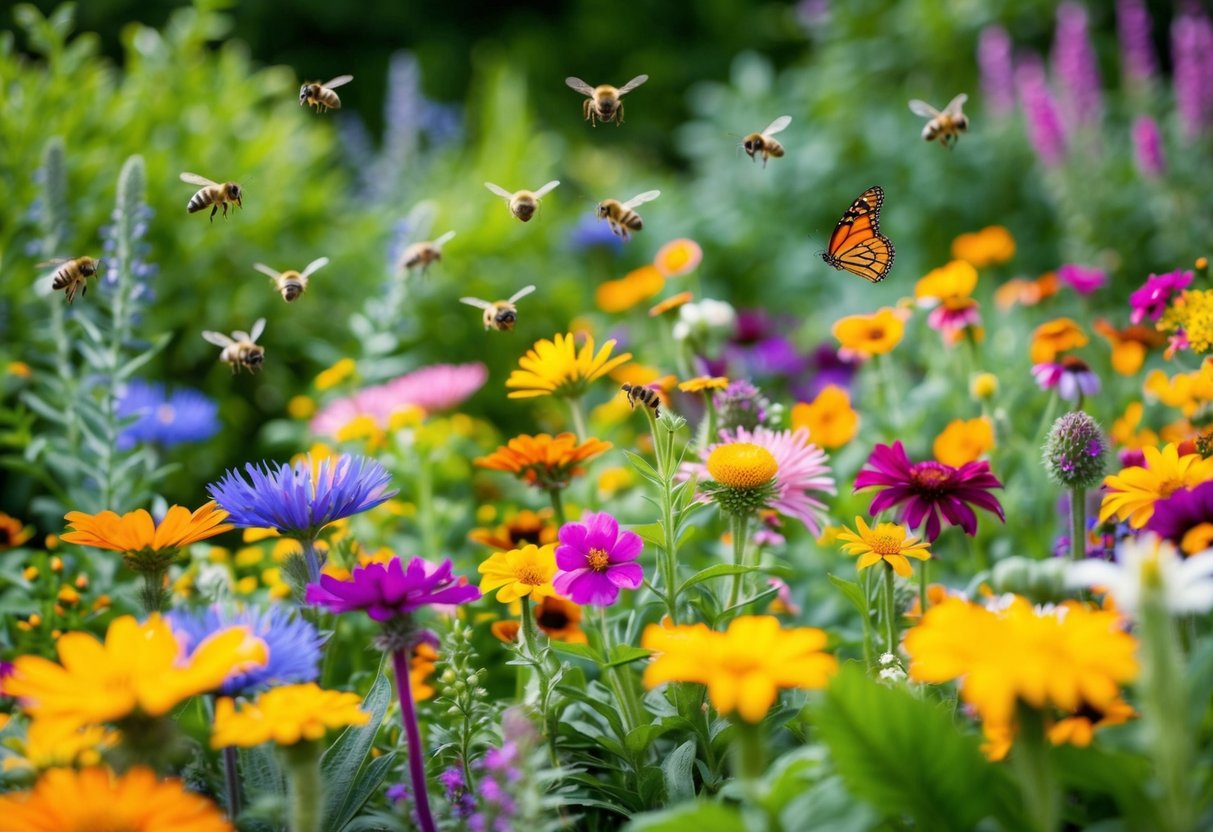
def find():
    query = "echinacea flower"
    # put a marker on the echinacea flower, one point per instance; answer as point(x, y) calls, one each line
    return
point(955, 318)
point(163, 419)
point(557, 618)
point(558, 368)
point(431, 389)
point(929, 489)
point(869, 335)
point(888, 542)
point(1190, 317)
point(94, 799)
point(285, 715)
point(520, 573)
point(1084, 280)
point(678, 257)
point(744, 667)
point(146, 545)
point(963, 441)
point(1129, 345)
point(1186, 584)
point(1185, 518)
point(830, 419)
point(990, 246)
point(1133, 492)
point(596, 560)
point(1152, 299)
point(13, 532)
point(392, 590)
point(544, 461)
point(139, 667)
point(1055, 337)
point(1071, 377)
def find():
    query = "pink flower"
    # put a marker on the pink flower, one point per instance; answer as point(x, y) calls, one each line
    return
point(1082, 279)
point(434, 388)
point(387, 591)
point(1071, 377)
point(1154, 295)
point(595, 560)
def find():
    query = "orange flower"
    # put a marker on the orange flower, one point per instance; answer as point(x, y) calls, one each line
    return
point(829, 418)
point(636, 286)
point(544, 461)
point(421, 665)
point(1129, 345)
point(678, 257)
point(520, 529)
point(1186, 391)
point(1053, 337)
point(955, 281)
point(144, 544)
point(672, 302)
point(13, 532)
point(560, 619)
point(988, 247)
point(868, 335)
point(1127, 432)
point(1023, 292)
point(964, 441)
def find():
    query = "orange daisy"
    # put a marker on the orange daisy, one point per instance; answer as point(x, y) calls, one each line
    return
point(1056, 336)
point(544, 461)
point(139, 538)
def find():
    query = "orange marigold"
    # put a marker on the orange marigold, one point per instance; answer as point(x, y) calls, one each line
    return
point(544, 461)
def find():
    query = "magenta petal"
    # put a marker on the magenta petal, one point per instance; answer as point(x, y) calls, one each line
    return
point(573, 534)
point(628, 575)
point(570, 557)
point(628, 548)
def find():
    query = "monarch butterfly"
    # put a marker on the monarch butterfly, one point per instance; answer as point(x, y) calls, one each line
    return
point(857, 244)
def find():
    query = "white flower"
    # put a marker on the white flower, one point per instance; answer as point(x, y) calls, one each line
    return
point(1186, 583)
point(707, 318)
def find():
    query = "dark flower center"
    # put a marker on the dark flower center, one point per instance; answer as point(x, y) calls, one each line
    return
point(931, 478)
point(552, 619)
point(876, 333)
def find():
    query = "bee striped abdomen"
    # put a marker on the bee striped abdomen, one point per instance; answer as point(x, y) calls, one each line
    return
point(200, 200)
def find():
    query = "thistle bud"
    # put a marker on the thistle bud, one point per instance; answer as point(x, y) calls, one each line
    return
point(1074, 453)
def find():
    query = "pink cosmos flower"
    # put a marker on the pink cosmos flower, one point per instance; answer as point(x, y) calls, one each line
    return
point(1154, 295)
point(596, 560)
point(1082, 279)
point(434, 388)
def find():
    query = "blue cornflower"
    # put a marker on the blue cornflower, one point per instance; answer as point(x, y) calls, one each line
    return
point(299, 500)
point(591, 232)
point(185, 416)
point(293, 643)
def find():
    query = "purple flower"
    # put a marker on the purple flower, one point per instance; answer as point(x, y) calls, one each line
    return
point(1082, 279)
point(1154, 295)
point(463, 805)
point(596, 560)
point(1071, 377)
point(1185, 518)
point(1192, 51)
point(590, 233)
point(1074, 64)
point(1136, 44)
point(167, 420)
point(827, 367)
point(392, 590)
point(997, 71)
point(1045, 130)
point(928, 489)
point(1147, 147)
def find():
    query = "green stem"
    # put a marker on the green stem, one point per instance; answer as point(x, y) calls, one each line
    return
point(557, 505)
point(1033, 765)
point(1078, 523)
point(311, 558)
point(618, 680)
point(306, 786)
point(231, 777)
point(152, 594)
point(578, 417)
point(740, 528)
point(890, 610)
point(865, 581)
point(922, 588)
point(425, 507)
point(1047, 418)
point(532, 650)
point(749, 757)
point(667, 562)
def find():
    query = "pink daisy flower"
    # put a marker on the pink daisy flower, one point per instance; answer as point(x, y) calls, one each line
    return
point(434, 388)
point(596, 560)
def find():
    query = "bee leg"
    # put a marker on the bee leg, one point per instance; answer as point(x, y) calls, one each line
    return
point(213, 210)
point(619, 115)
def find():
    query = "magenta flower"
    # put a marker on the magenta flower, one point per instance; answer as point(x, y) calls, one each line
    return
point(928, 489)
point(1147, 147)
point(1154, 295)
point(1071, 378)
point(1179, 518)
point(596, 560)
point(1074, 64)
point(433, 389)
point(1082, 279)
point(952, 317)
point(1191, 50)
point(1045, 130)
point(1136, 41)
point(392, 590)
point(997, 70)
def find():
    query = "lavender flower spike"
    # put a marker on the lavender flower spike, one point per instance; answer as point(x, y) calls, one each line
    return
point(1074, 65)
point(997, 71)
point(1045, 130)
point(1136, 48)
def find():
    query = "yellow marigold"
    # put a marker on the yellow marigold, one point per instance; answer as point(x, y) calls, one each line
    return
point(1056, 336)
point(98, 800)
point(1129, 345)
point(868, 335)
point(334, 375)
point(701, 384)
point(670, 303)
point(964, 441)
point(988, 247)
point(13, 532)
point(744, 667)
point(139, 667)
point(558, 368)
point(742, 465)
point(1133, 492)
point(829, 418)
point(634, 287)
point(954, 281)
point(520, 573)
point(1191, 313)
point(890, 542)
point(544, 461)
point(678, 257)
point(301, 407)
point(285, 715)
point(558, 618)
point(1126, 432)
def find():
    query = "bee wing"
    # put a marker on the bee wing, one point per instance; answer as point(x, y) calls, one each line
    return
point(444, 239)
point(633, 84)
point(266, 270)
point(497, 189)
point(953, 108)
point(258, 328)
point(477, 302)
point(521, 293)
point(339, 81)
point(315, 265)
point(579, 85)
point(777, 126)
point(641, 199)
point(195, 179)
point(217, 338)
point(922, 108)
point(58, 261)
point(546, 188)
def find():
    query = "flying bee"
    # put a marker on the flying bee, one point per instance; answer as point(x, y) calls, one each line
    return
point(603, 103)
point(946, 126)
point(500, 315)
point(212, 193)
point(321, 96)
point(756, 143)
point(72, 275)
point(420, 255)
point(522, 203)
point(241, 349)
point(621, 217)
point(646, 396)
point(292, 284)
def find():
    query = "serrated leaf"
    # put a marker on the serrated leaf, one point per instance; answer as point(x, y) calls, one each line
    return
point(342, 762)
point(678, 768)
point(852, 591)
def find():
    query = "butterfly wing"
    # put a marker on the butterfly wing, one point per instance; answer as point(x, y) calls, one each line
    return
point(857, 246)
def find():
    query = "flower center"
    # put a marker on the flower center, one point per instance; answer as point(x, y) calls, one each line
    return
point(165, 414)
point(885, 544)
point(931, 478)
point(876, 333)
point(742, 465)
point(598, 560)
point(552, 619)
point(530, 575)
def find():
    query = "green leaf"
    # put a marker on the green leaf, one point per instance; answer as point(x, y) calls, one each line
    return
point(720, 570)
point(158, 343)
point(641, 737)
point(1118, 775)
point(701, 817)
point(902, 754)
point(678, 768)
point(46, 411)
point(852, 591)
point(342, 763)
point(578, 651)
point(642, 465)
point(652, 534)
point(261, 773)
point(622, 654)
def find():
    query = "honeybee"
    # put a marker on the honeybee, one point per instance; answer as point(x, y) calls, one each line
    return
point(241, 349)
point(756, 143)
point(420, 255)
point(523, 203)
point(946, 126)
point(292, 284)
point(500, 315)
point(72, 276)
point(603, 103)
point(321, 96)
point(621, 217)
point(643, 395)
point(212, 193)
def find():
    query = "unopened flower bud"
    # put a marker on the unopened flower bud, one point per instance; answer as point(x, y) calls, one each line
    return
point(1074, 453)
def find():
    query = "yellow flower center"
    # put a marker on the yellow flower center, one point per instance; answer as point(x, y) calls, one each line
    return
point(885, 544)
point(530, 575)
point(597, 559)
point(742, 465)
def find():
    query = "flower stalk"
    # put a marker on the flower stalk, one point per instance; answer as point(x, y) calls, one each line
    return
point(412, 732)
point(231, 779)
point(667, 467)
point(617, 678)
point(306, 786)
point(740, 529)
point(890, 610)
point(1078, 523)
point(1033, 765)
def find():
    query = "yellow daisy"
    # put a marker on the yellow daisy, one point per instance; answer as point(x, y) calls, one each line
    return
point(520, 573)
point(1134, 491)
point(889, 542)
point(701, 384)
point(558, 368)
point(286, 715)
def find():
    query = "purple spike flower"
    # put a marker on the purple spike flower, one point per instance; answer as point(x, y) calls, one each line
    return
point(1192, 55)
point(1136, 47)
point(1147, 147)
point(1074, 65)
point(392, 590)
point(1045, 130)
point(997, 70)
point(596, 560)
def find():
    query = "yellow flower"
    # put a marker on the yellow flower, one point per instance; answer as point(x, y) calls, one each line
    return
point(97, 800)
point(421, 666)
point(889, 542)
point(670, 303)
point(336, 374)
point(558, 368)
point(701, 384)
point(19, 369)
point(744, 667)
point(742, 465)
point(138, 667)
point(868, 335)
point(678, 257)
point(1133, 492)
point(53, 744)
point(301, 407)
point(285, 715)
point(544, 461)
point(1079, 730)
point(1186, 391)
point(13, 532)
point(964, 441)
point(139, 538)
point(1191, 312)
point(634, 287)
point(955, 281)
point(1053, 337)
point(983, 386)
point(1129, 345)
point(829, 418)
point(990, 246)
point(613, 480)
point(519, 529)
point(1125, 431)
point(520, 573)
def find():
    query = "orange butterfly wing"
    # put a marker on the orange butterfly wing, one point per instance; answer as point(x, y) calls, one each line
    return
point(857, 245)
